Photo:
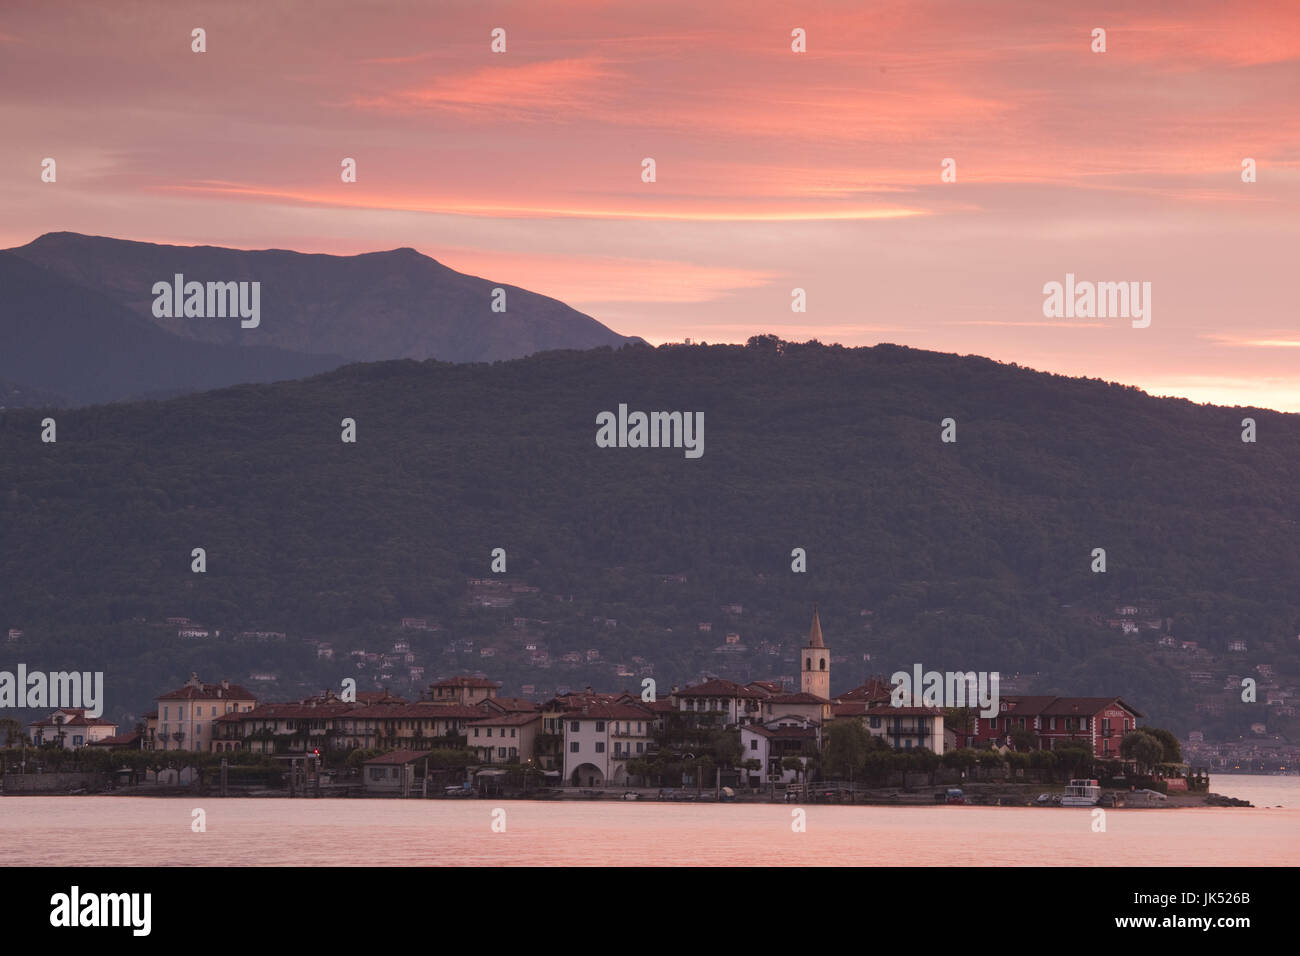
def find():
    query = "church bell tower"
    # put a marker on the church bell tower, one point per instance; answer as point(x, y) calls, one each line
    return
point(816, 661)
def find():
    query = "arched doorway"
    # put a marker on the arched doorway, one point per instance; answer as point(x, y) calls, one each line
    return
point(587, 775)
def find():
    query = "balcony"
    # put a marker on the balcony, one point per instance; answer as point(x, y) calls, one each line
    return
point(897, 731)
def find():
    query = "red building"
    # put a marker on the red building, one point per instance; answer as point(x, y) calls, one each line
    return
point(1100, 722)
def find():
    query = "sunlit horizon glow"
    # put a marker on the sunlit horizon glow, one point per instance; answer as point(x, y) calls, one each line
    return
point(775, 170)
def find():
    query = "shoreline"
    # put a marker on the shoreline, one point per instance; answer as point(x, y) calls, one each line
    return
point(981, 795)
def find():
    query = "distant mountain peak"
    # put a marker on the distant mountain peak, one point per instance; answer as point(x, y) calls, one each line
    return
point(390, 304)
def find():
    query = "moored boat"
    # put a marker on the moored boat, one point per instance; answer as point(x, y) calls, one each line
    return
point(1081, 793)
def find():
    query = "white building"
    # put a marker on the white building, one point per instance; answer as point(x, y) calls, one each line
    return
point(186, 715)
point(71, 729)
point(599, 740)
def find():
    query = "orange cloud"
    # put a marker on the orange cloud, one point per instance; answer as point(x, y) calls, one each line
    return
point(549, 87)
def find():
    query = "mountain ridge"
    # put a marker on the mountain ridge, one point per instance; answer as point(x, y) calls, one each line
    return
point(373, 306)
point(967, 556)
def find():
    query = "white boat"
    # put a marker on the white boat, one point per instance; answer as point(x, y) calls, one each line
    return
point(1081, 793)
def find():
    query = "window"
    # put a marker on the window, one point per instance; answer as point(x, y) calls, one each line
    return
point(640, 747)
point(618, 748)
point(823, 663)
point(489, 732)
point(573, 725)
point(514, 752)
point(180, 713)
point(807, 664)
point(501, 751)
point(875, 722)
point(1051, 723)
point(573, 747)
point(753, 743)
point(600, 726)
point(512, 732)
point(600, 747)
point(475, 731)
point(167, 713)
point(638, 726)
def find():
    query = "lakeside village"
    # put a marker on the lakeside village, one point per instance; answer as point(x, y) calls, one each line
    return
point(718, 740)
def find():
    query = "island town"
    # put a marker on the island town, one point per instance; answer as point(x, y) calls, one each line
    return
point(715, 740)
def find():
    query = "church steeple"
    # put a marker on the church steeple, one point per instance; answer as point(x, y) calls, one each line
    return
point(815, 676)
point(815, 633)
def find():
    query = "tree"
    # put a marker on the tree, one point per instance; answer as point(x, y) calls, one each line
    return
point(11, 732)
point(962, 760)
point(793, 763)
point(989, 759)
point(1173, 752)
point(845, 751)
point(1143, 749)
point(1075, 759)
point(1022, 739)
point(960, 719)
point(925, 760)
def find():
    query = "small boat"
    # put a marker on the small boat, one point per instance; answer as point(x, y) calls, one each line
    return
point(954, 795)
point(1081, 793)
point(630, 795)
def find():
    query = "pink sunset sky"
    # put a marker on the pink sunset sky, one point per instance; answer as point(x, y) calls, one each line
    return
point(775, 169)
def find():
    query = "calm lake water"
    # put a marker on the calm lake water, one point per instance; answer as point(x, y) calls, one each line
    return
point(82, 831)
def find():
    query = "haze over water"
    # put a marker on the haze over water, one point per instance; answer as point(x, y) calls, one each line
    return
point(146, 831)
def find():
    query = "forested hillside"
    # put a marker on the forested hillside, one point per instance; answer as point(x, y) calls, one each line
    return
point(962, 553)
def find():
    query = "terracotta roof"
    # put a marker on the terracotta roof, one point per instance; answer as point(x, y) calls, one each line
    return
point(208, 692)
point(117, 740)
point(602, 711)
point(430, 709)
point(505, 720)
point(800, 698)
point(1083, 706)
point(772, 732)
point(854, 708)
point(1027, 706)
point(888, 710)
point(379, 697)
point(515, 704)
point(79, 720)
point(717, 687)
point(421, 710)
point(768, 686)
point(290, 710)
point(875, 688)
